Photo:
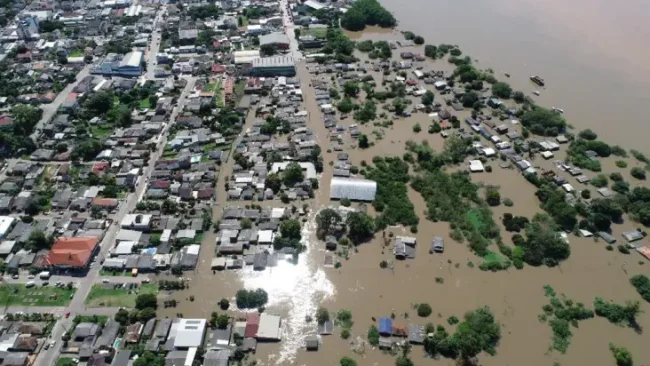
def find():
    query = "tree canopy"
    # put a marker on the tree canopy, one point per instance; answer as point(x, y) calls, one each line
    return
point(543, 243)
point(361, 227)
point(367, 12)
point(292, 174)
point(542, 121)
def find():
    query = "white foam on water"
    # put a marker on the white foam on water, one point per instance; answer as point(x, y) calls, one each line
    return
point(298, 288)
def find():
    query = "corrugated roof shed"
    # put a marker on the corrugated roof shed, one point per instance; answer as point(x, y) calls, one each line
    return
point(269, 328)
point(385, 326)
point(353, 189)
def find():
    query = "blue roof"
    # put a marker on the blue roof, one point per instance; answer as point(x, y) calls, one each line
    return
point(385, 325)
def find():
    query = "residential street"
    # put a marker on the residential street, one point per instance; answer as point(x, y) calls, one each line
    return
point(49, 110)
point(48, 357)
point(289, 30)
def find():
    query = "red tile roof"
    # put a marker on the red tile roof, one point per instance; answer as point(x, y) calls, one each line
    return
point(164, 184)
point(104, 202)
point(99, 167)
point(252, 325)
point(217, 69)
point(72, 252)
point(5, 120)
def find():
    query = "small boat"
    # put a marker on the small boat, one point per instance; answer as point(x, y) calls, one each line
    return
point(537, 80)
point(558, 110)
point(507, 75)
point(536, 92)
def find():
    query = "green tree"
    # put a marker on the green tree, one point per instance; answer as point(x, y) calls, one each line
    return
point(290, 229)
point(638, 173)
point(361, 227)
point(274, 182)
point(502, 90)
point(424, 310)
point(292, 174)
point(224, 304)
point(328, 222)
point(38, 241)
point(345, 106)
point(25, 118)
point(427, 98)
point(492, 196)
point(351, 89)
point(86, 150)
point(430, 51)
point(322, 315)
point(543, 243)
point(144, 301)
point(122, 317)
point(347, 361)
point(519, 97)
point(363, 141)
point(622, 356)
point(100, 102)
point(469, 99)
point(588, 135)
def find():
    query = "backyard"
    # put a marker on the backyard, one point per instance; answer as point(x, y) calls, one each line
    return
point(19, 295)
point(108, 297)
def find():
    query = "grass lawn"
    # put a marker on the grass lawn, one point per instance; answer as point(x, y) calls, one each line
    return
point(145, 103)
point(244, 20)
point(101, 131)
point(76, 53)
point(65, 361)
point(474, 218)
point(493, 257)
point(109, 297)
point(18, 294)
point(198, 238)
point(315, 32)
point(239, 89)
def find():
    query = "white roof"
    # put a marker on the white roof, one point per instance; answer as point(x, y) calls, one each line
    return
point(246, 57)
point(269, 327)
point(189, 333)
point(123, 248)
point(166, 235)
point(277, 212)
point(131, 59)
point(354, 189)
point(309, 167)
point(265, 236)
point(186, 234)
point(314, 4)
point(567, 187)
point(476, 166)
point(128, 235)
point(7, 246)
point(5, 224)
point(488, 151)
point(193, 249)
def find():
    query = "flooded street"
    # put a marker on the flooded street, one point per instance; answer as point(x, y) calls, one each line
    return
point(516, 297)
point(592, 54)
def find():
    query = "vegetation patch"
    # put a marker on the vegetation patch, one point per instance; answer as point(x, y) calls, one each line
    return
point(642, 285)
point(618, 314)
point(19, 295)
point(250, 299)
point(391, 200)
point(561, 314)
point(110, 297)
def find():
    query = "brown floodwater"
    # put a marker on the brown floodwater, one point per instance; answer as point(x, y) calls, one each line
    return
point(360, 285)
point(592, 54)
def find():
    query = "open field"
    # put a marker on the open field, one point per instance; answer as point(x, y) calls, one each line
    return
point(18, 294)
point(110, 297)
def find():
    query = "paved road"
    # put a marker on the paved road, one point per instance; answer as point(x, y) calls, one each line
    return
point(48, 357)
point(154, 46)
point(49, 110)
point(289, 30)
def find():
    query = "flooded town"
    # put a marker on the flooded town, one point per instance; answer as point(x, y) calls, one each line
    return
point(307, 183)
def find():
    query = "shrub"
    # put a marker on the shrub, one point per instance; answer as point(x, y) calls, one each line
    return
point(424, 310)
point(373, 335)
point(642, 285)
point(638, 173)
point(621, 164)
point(452, 320)
point(345, 202)
point(345, 333)
point(586, 194)
point(609, 247)
point(417, 128)
point(623, 249)
point(622, 356)
point(224, 304)
point(322, 315)
point(508, 202)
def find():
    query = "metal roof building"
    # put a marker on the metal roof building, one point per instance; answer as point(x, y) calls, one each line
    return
point(273, 66)
point(269, 327)
point(190, 333)
point(353, 189)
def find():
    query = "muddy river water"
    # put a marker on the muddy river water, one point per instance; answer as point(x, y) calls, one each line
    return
point(592, 53)
point(521, 39)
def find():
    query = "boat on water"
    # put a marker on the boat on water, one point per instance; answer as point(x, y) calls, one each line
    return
point(558, 110)
point(507, 75)
point(536, 92)
point(537, 80)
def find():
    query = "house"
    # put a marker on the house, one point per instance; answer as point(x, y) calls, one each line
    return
point(404, 247)
point(217, 358)
point(273, 66)
point(277, 39)
point(311, 343)
point(133, 332)
point(189, 333)
point(385, 326)
point(269, 327)
point(136, 222)
point(71, 253)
